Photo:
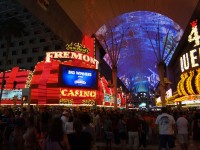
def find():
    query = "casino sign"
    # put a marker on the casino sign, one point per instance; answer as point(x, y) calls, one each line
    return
point(189, 84)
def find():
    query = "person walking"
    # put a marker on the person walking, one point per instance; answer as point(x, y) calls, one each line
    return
point(68, 128)
point(88, 127)
point(56, 138)
point(133, 128)
point(122, 132)
point(143, 132)
point(30, 136)
point(166, 124)
point(196, 130)
point(80, 139)
point(182, 129)
point(108, 131)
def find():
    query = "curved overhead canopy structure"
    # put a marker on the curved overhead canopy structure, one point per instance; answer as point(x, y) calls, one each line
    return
point(143, 31)
point(137, 56)
point(90, 15)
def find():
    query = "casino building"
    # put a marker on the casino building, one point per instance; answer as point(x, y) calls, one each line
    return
point(37, 80)
point(70, 77)
point(188, 87)
point(74, 81)
point(184, 68)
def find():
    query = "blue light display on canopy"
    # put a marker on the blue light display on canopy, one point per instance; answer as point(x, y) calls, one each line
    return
point(142, 29)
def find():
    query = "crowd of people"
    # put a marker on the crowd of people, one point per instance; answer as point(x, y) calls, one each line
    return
point(65, 129)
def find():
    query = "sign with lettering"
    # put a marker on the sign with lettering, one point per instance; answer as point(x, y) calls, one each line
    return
point(71, 76)
point(76, 47)
point(78, 93)
point(191, 59)
point(71, 55)
point(194, 35)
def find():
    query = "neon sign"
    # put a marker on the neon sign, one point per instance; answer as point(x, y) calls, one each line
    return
point(78, 93)
point(28, 81)
point(71, 55)
point(194, 35)
point(191, 59)
point(76, 47)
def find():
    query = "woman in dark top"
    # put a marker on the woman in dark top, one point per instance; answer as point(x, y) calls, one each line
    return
point(80, 140)
point(196, 130)
point(122, 131)
point(56, 138)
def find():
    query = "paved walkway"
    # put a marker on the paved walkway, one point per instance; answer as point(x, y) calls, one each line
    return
point(149, 147)
point(102, 146)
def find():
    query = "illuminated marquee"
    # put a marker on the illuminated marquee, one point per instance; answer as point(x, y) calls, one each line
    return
point(71, 55)
point(28, 81)
point(78, 93)
point(194, 35)
point(191, 59)
point(168, 93)
point(76, 47)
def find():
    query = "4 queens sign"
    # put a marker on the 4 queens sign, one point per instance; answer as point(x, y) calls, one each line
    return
point(191, 59)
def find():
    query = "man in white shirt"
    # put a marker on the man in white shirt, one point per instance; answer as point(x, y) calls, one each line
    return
point(166, 125)
point(182, 128)
point(64, 118)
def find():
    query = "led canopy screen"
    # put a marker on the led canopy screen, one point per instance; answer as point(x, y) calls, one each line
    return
point(71, 76)
point(135, 36)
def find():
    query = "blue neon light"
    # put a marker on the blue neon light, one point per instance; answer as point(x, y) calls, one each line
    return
point(137, 55)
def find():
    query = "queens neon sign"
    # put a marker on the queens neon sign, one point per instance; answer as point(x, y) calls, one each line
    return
point(191, 59)
point(71, 55)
